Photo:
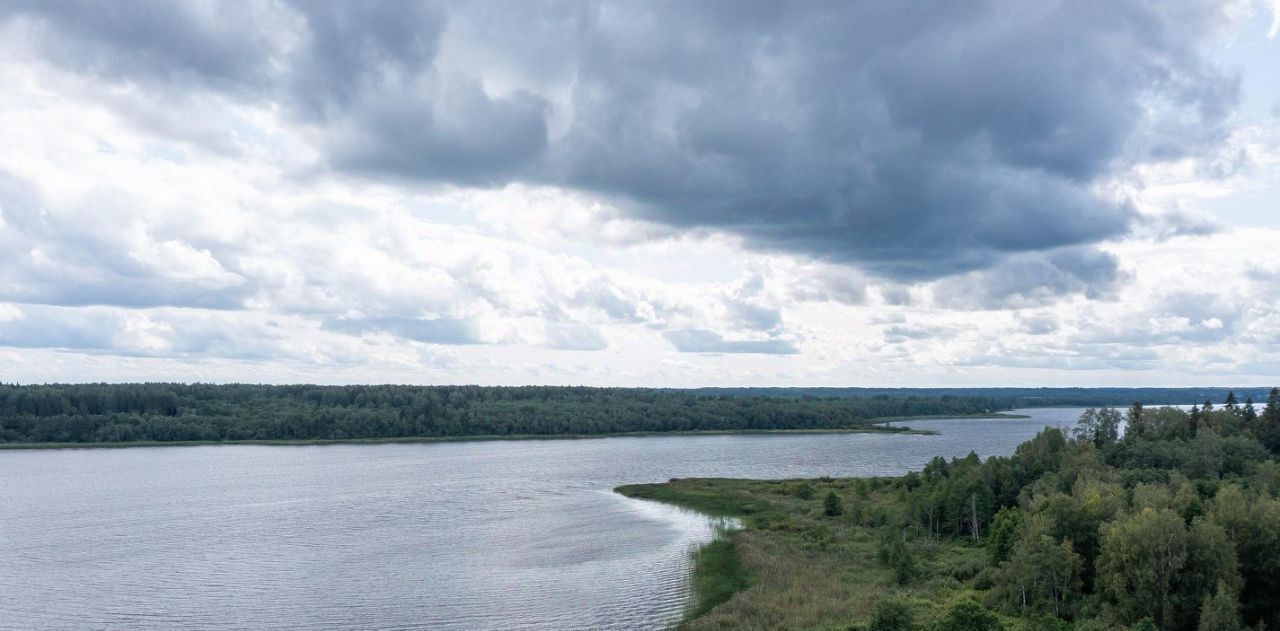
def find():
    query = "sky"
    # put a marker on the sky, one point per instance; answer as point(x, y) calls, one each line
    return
point(675, 194)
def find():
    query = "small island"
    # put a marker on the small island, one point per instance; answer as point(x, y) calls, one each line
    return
point(1172, 523)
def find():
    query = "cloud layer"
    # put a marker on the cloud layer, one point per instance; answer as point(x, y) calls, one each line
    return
point(663, 188)
point(917, 142)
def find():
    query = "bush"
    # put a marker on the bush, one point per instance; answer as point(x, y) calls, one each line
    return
point(832, 506)
point(892, 614)
point(898, 556)
point(968, 615)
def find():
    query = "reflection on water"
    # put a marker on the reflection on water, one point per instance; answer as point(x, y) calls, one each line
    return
point(486, 535)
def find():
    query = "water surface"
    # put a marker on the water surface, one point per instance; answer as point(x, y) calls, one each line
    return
point(482, 535)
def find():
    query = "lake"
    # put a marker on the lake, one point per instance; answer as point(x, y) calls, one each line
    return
point(474, 535)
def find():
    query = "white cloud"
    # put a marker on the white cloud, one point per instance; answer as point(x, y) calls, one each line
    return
point(166, 233)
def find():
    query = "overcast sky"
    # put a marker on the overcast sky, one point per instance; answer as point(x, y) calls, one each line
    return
point(641, 193)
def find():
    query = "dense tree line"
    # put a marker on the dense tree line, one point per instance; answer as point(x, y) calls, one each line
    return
point(1017, 397)
point(1154, 518)
point(178, 412)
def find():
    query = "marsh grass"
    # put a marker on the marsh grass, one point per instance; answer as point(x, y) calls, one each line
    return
point(792, 567)
point(718, 574)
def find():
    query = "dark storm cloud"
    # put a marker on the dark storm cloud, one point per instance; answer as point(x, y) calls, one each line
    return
point(350, 49)
point(462, 136)
point(1029, 279)
point(153, 41)
point(914, 140)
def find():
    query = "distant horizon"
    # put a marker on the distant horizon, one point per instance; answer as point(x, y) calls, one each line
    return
point(552, 385)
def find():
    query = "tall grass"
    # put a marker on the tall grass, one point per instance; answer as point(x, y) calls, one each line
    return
point(793, 566)
point(718, 574)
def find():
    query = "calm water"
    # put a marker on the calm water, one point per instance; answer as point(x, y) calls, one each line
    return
point(485, 535)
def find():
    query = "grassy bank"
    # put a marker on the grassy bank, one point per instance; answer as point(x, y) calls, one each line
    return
point(791, 566)
point(717, 575)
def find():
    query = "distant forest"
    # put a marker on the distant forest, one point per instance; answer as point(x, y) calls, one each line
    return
point(1014, 397)
point(98, 413)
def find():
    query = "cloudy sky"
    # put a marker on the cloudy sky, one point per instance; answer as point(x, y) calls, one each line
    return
point(641, 193)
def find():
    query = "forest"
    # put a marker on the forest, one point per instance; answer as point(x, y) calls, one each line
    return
point(1153, 518)
point(1016, 397)
point(158, 412)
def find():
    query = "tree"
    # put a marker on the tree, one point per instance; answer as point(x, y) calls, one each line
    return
point(1221, 611)
point(1211, 560)
point(1137, 424)
point(1230, 510)
point(1259, 552)
point(1041, 575)
point(892, 614)
point(1006, 529)
point(898, 556)
point(1079, 518)
point(1248, 414)
point(1168, 423)
point(969, 615)
point(1041, 454)
point(1098, 426)
point(1270, 432)
point(832, 506)
point(1195, 419)
point(1231, 404)
point(1141, 557)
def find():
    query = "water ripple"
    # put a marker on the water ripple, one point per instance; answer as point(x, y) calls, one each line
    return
point(502, 535)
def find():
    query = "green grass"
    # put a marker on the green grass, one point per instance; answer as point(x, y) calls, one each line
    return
point(791, 567)
point(718, 574)
point(708, 496)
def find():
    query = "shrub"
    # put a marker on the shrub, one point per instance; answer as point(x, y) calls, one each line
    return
point(832, 506)
point(898, 556)
point(969, 615)
point(804, 491)
point(892, 614)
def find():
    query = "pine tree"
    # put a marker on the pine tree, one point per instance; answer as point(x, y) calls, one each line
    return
point(1231, 403)
point(1195, 419)
point(1248, 414)
point(831, 506)
point(1137, 425)
point(1270, 433)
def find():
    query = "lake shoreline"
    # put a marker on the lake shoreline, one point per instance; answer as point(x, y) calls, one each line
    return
point(718, 572)
point(468, 519)
point(876, 426)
